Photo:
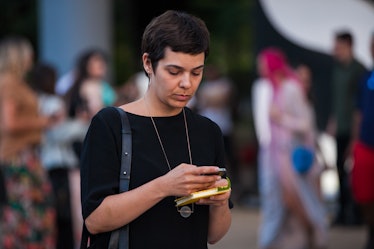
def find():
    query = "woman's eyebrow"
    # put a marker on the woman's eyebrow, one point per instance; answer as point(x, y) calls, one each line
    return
point(179, 67)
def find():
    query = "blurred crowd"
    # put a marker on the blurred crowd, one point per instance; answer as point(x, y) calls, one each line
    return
point(294, 213)
point(44, 119)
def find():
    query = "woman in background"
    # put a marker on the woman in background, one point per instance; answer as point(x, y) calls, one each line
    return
point(90, 92)
point(292, 214)
point(58, 156)
point(27, 217)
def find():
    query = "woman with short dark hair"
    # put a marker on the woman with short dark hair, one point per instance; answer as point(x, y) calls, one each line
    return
point(173, 150)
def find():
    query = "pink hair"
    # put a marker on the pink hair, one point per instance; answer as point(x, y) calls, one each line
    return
point(276, 65)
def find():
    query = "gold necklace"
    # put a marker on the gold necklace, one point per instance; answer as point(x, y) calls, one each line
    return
point(184, 211)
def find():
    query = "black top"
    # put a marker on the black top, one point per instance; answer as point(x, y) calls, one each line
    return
point(161, 226)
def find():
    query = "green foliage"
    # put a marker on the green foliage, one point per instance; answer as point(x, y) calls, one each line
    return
point(231, 34)
point(230, 23)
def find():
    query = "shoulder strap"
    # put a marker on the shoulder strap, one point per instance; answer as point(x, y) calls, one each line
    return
point(120, 237)
point(126, 152)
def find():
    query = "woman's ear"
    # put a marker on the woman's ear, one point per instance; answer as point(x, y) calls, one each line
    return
point(147, 63)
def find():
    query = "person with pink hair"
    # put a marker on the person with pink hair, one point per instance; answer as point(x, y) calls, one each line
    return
point(293, 216)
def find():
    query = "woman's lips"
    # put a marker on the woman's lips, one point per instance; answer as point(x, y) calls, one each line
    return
point(182, 97)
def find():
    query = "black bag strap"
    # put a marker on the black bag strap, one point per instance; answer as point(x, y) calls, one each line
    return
point(120, 237)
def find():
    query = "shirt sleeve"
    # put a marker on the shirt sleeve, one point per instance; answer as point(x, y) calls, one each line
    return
point(261, 102)
point(220, 153)
point(100, 160)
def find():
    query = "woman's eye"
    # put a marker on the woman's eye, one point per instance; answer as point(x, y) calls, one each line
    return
point(177, 72)
point(173, 72)
point(196, 73)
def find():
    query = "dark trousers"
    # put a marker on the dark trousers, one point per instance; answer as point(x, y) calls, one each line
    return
point(348, 212)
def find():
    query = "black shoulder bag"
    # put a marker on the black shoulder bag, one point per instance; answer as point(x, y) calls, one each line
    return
point(119, 239)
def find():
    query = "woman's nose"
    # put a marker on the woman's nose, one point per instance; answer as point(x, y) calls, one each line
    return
point(185, 81)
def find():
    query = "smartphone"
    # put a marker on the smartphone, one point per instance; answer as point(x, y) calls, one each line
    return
point(221, 172)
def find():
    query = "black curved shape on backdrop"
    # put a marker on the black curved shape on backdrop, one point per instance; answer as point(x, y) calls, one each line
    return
point(321, 64)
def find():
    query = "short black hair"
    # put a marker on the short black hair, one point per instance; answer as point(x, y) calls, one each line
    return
point(345, 36)
point(180, 31)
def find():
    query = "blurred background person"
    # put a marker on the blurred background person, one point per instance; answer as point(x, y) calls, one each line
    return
point(262, 96)
point(363, 152)
point(292, 214)
point(27, 214)
point(88, 93)
point(215, 99)
point(346, 74)
point(90, 90)
point(57, 154)
point(305, 76)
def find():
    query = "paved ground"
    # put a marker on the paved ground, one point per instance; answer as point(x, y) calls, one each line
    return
point(243, 233)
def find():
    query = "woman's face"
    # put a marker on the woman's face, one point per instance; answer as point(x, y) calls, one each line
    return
point(342, 51)
point(305, 75)
point(175, 80)
point(96, 67)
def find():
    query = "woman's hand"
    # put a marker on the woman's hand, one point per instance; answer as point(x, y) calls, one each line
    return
point(186, 179)
point(217, 200)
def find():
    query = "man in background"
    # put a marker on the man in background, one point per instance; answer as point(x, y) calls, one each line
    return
point(346, 75)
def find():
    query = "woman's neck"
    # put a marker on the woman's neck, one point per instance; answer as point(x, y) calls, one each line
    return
point(145, 107)
point(156, 108)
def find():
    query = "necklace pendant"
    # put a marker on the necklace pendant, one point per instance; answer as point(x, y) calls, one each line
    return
point(185, 211)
